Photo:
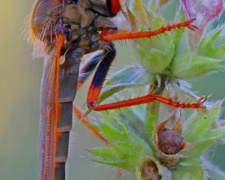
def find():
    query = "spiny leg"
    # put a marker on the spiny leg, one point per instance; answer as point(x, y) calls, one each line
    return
point(112, 35)
point(85, 71)
point(85, 120)
point(99, 77)
point(98, 80)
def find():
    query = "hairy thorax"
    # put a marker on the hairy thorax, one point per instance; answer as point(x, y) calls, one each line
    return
point(79, 22)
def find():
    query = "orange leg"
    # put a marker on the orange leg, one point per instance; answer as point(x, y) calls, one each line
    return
point(98, 80)
point(85, 120)
point(85, 71)
point(112, 35)
point(146, 99)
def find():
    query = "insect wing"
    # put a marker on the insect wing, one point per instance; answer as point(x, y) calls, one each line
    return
point(50, 112)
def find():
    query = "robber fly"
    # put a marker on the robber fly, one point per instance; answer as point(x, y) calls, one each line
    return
point(63, 31)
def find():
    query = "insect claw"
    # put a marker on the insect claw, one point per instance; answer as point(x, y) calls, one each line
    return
point(204, 100)
point(192, 27)
point(195, 27)
point(201, 101)
point(203, 106)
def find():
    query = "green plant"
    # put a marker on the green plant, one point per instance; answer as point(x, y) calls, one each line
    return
point(156, 141)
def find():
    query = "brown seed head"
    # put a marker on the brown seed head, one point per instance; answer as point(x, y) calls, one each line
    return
point(150, 171)
point(170, 141)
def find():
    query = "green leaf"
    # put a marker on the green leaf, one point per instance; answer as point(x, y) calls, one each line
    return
point(113, 133)
point(129, 150)
point(178, 34)
point(192, 172)
point(194, 152)
point(125, 148)
point(104, 152)
point(216, 112)
point(196, 127)
point(131, 117)
point(119, 164)
point(123, 154)
point(199, 125)
point(154, 60)
point(130, 74)
point(155, 53)
point(186, 67)
point(217, 134)
point(208, 48)
point(108, 92)
point(140, 11)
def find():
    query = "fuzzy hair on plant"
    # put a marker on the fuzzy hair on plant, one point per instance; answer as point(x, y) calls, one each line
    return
point(154, 140)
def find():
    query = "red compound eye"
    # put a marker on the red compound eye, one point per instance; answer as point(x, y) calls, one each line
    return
point(114, 6)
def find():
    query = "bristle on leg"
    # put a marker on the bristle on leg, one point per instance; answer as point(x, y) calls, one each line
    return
point(113, 35)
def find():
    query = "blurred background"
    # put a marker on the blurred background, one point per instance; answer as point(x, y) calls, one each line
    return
point(20, 78)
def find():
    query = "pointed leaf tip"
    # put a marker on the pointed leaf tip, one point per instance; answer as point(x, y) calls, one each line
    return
point(204, 11)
